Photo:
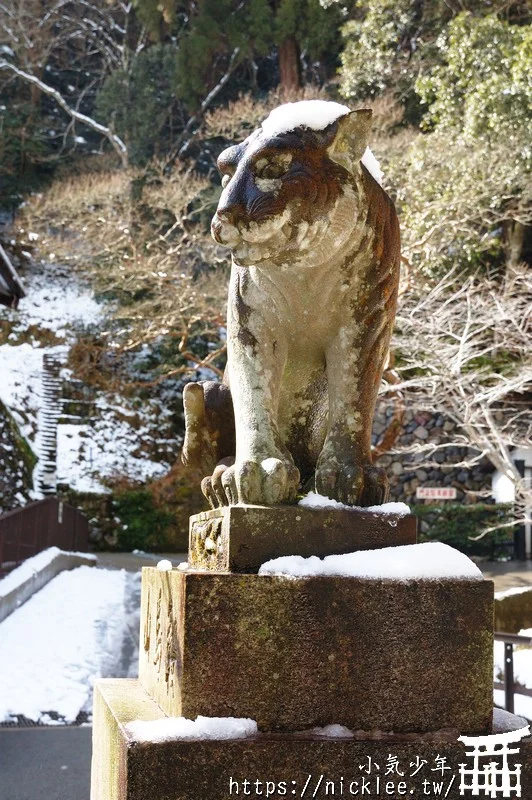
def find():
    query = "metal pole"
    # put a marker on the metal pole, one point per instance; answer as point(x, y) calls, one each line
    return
point(509, 676)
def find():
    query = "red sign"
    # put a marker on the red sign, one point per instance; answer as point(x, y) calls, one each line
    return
point(436, 493)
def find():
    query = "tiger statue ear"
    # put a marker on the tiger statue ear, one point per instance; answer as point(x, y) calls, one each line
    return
point(352, 138)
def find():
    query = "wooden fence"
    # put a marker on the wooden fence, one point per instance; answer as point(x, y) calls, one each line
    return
point(26, 531)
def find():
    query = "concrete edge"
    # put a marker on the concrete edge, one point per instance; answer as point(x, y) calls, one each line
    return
point(20, 594)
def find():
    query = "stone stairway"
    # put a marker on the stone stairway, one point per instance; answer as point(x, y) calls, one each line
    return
point(51, 406)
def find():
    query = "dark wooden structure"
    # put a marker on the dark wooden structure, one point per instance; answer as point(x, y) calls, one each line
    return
point(26, 531)
point(11, 289)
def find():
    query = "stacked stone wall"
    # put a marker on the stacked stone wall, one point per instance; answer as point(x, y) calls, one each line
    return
point(406, 471)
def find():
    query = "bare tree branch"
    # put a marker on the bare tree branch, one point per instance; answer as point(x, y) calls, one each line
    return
point(182, 144)
point(111, 137)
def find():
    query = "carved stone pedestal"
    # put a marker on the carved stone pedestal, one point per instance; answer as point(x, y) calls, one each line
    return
point(271, 765)
point(291, 654)
point(241, 538)
point(406, 666)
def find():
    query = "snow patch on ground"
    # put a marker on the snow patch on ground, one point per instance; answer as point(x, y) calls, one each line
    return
point(333, 731)
point(522, 662)
point(171, 728)
point(119, 440)
point(55, 645)
point(428, 561)
point(20, 385)
point(31, 566)
point(511, 592)
point(57, 301)
point(522, 673)
point(314, 500)
point(111, 446)
point(522, 704)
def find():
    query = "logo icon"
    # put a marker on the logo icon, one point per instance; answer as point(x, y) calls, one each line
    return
point(494, 778)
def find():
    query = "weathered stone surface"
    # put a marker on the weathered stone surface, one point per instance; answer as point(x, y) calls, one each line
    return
point(124, 769)
point(513, 613)
point(402, 656)
point(241, 538)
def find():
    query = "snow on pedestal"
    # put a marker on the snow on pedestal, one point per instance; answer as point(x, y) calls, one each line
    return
point(428, 561)
point(315, 500)
point(172, 728)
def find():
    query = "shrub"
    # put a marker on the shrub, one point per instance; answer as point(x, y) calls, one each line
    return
point(142, 525)
point(457, 525)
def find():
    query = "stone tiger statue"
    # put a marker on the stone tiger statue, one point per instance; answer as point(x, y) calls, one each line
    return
point(315, 270)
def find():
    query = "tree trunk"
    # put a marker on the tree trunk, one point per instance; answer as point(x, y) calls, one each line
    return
point(36, 93)
point(514, 235)
point(289, 64)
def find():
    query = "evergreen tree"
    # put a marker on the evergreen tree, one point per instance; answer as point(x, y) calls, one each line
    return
point(140, 101)
point(209, 32)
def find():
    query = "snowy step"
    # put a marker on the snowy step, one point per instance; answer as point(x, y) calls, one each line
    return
point(51, 410)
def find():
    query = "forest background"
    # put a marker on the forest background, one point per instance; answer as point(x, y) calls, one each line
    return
point(112, 115)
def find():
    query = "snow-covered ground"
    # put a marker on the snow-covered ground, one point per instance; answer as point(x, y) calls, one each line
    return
point(110, 445)
point(55, 308)
point(80, 626)
point(56, 301)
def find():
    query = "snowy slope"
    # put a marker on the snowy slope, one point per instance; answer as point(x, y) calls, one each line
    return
point(58, 308)
point(81, 626)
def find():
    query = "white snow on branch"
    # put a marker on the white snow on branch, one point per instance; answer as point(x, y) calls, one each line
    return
point(172, 728)
point(428, 561)
point(113, 139)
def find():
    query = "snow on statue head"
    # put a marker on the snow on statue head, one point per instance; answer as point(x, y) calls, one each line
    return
point(315, 246)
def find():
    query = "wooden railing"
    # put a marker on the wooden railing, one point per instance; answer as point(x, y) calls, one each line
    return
point(26, 531)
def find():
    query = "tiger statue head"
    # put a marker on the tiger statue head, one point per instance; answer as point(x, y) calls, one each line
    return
point(291, 190)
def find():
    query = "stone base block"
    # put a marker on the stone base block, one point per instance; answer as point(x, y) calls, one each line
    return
point(292, 654)
point(273, 765)
point(241, 538)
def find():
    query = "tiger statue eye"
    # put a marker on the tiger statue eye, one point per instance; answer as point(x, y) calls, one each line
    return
point(315, 269)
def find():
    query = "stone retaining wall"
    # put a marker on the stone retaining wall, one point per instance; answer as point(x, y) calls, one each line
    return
point(408, 471)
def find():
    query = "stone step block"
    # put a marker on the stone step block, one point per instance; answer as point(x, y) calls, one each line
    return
point(273, 765)
point(241, 538)
point(412, 655)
